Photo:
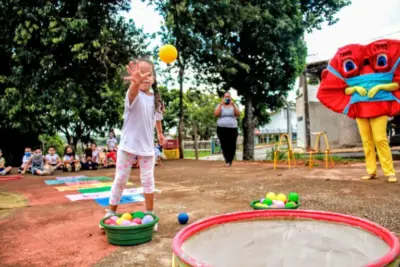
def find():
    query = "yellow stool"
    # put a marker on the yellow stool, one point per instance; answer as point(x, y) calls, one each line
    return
point(328, 153)
point(290, 151)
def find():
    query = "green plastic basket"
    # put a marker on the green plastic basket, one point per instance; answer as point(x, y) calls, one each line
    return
point(129, 235)
point(253, 205)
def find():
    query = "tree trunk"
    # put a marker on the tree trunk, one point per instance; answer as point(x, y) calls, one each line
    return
point(196, 150)
point(181, 118)
point(248, 130)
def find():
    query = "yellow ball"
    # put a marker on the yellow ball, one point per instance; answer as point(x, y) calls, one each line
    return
point(119, 221)
point(271, 195)
point(126, 216)
point(259, 204)
point(168, 53)
point(281, 197)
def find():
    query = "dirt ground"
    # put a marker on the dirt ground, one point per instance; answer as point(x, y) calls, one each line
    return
point(53, 231)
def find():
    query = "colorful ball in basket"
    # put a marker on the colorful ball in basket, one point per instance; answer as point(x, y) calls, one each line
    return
point(290, 205)
point(137, 220)
point(119, 221)
point(125, 223)
point(147, 219)
point(183, 218)
point(168, 53)
point(127, 216)
point(293, 197)
point(279, 204)
point(271, 195)
point(267, 201)
point(281, 197)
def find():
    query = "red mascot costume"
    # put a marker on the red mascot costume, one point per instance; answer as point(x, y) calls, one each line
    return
point(362, 81)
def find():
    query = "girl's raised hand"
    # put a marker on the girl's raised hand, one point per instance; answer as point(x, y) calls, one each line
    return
point(136, 76)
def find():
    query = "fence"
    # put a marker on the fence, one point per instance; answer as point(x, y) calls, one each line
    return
point(205, 145)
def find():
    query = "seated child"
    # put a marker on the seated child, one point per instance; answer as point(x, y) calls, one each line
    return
point(53, 161)
point(25, 159)
point(3, 169)
point(37, 162)
point(70, 161)
point(111, 158)
point(91, 160)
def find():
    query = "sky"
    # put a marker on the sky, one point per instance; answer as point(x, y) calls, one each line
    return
point(361, 22)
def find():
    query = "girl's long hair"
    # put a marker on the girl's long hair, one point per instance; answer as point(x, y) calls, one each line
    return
point(158, 104)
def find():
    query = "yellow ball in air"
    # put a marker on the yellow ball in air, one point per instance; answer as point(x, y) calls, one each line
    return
point(168, 53)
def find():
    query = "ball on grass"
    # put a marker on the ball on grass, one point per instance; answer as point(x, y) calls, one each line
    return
point(183, 218)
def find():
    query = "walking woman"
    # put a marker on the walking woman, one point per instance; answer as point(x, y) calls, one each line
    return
point(227, 130)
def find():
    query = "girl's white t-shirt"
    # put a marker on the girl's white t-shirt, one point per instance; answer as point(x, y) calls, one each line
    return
point(140, 118)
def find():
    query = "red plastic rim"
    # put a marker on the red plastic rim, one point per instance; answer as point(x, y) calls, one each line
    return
point(373, 228)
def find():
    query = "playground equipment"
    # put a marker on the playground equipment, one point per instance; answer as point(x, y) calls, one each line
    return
point(290, 153)
point(328, 152)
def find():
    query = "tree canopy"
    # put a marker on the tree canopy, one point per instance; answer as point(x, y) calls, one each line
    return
point(62, 63)
point(255, 47)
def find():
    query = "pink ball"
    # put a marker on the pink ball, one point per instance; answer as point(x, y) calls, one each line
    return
point(125, 223)
point(114, 218)
point(109, 221)
point(133, 223)
point(137, 220)
point(279, 204)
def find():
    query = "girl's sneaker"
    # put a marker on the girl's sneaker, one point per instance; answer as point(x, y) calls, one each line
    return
point(155, 227)
point(108, 213)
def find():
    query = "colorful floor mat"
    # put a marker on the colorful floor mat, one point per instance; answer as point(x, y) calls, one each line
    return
point(106, 194)
point(76, 180)
point(70, 177)
point(83, 186)
point(95, 190)
point(124, 200)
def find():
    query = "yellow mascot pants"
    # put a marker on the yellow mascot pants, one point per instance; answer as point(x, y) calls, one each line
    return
point(373, 134)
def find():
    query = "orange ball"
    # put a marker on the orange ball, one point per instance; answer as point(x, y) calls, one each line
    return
point(168, 53)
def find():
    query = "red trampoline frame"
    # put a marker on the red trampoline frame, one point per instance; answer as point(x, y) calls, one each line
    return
point(373, 228)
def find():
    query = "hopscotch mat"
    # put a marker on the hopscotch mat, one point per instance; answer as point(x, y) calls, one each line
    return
point(95, 188)
point(82, 186)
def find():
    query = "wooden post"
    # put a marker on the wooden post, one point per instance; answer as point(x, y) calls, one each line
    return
point(196, 150)
point(306, 111)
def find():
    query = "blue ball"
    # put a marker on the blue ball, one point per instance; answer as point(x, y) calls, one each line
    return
point(183, 218)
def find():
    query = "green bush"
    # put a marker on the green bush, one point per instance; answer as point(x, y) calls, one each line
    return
point(56, 141)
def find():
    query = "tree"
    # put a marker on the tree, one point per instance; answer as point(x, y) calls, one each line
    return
point(177, 30)
point(255, 47)
point(63, 65)
point(199, 109)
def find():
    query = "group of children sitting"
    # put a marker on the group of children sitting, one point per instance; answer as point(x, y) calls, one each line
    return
point(36, 163)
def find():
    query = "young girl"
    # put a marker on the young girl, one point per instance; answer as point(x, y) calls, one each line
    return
point(111, 141)
point(71, 162)
point(141, 113)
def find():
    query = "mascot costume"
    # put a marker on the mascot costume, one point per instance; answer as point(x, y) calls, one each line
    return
point(362, 81)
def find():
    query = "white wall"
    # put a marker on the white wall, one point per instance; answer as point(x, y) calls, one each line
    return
point(278, 123)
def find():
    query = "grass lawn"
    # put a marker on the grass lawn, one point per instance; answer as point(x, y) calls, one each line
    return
point(190, 154)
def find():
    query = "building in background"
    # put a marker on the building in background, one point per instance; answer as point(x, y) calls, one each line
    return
point(278, 124)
